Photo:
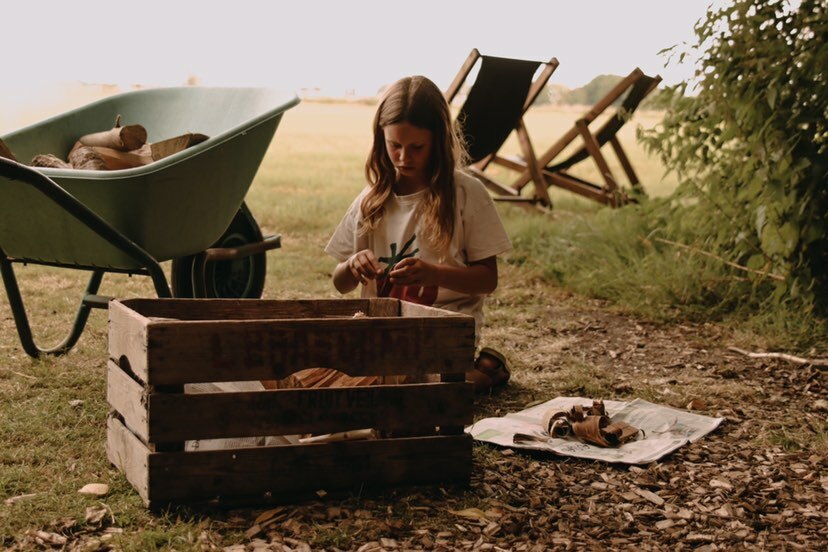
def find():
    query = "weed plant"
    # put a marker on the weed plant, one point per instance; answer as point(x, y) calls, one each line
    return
point(626, 257)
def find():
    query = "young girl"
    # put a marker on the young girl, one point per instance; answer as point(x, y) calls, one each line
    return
point(422, 231)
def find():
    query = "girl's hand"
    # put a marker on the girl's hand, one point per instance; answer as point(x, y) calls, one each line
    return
point(414, 272)
point(363, 266)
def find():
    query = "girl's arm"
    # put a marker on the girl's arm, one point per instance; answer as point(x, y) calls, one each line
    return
point(478, 278)
point(356, 269)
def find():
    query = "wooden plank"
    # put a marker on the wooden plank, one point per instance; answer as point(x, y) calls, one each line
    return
point(624, 160)
point(245, 309)
point(128, 338)
point(517, 200)
point(540, 83)
point(493, 185)
point(158, 445)
point(190, 352)
point(544, 160)
point(460, 78)
point(415, 310)
point(297, 411)
point(616, 92)
point(483, 163)
point(128, 398)
point(563, 180)
point(532, 162)
point(512, 162)
point(383, 307)
point(454, 371)
point(126, 452)
point(204, 475)
point(555, 149)
point(594, 149)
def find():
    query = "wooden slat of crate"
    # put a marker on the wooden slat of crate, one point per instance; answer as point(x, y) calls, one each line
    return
point(193, 476)
point(412, 310)
point(126, 452)
point(384, 307)
point(127, 334)
point(128, 398)
point(170, 417)
point(244, 309)
point(129, 319)
point(163, 344)
point(177, 352)
point(253, 350)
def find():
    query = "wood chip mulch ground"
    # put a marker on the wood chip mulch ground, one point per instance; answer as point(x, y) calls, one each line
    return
point(760, 481)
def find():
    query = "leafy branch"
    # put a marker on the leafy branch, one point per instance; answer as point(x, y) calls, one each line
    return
point(749, 149)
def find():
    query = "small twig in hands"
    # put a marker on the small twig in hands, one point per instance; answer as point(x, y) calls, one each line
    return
point(722, 259)
point(822, 362)
point(395, 257)
point(392, 261)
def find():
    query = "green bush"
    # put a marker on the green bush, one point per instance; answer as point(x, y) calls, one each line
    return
point(750, 148)
point(628, 257)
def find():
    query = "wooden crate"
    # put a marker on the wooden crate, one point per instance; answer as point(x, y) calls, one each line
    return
point(156, 346)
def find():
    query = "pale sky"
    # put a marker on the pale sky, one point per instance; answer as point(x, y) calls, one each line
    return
point(334, 45)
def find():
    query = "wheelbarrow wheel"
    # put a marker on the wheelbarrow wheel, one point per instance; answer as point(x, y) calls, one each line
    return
point(234, 279)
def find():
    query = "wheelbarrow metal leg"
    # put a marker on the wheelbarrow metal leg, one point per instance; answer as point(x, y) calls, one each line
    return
point(159, 280)
point(91, 220)
point(21, 320)
point(199, 275)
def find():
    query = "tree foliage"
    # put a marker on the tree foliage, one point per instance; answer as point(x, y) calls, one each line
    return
point(593, 91)
point(588, 94)
point(750, 148)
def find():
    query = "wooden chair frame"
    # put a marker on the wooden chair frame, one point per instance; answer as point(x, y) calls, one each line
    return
point(532, 166)
point(608, 192)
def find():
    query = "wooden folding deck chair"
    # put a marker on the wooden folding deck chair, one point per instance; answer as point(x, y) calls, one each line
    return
point(608, 191)
point(502, 92)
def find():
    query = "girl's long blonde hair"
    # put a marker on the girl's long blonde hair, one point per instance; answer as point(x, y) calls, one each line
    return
point(418, 102)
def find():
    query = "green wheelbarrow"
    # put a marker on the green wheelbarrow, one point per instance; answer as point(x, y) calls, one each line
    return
point(188, 207)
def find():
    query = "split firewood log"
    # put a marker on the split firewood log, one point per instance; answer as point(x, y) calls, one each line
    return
point(6, 152)
point(86, 158)
point(49, 160)
point(315, 378)
point(112, 159)
point(125, 138)
point(144, 151)
point(117, 160)
point(116, 149)
point(165, 148)
point(75, 147)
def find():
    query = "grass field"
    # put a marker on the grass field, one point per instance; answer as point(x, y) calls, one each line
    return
point(52, 417)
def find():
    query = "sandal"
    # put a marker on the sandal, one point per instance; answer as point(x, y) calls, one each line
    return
point(490, 372)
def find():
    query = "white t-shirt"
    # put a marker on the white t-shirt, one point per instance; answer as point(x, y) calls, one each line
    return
point(478, 234)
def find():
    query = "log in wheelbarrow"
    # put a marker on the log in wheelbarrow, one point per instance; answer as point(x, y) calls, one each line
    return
point(188, 207)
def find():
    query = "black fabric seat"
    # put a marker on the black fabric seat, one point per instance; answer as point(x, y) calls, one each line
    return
point(493, 108)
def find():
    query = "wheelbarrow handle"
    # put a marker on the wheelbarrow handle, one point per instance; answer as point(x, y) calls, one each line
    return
point(232, 253)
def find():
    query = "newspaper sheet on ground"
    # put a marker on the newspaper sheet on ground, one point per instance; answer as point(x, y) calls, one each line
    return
point(665, 429)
